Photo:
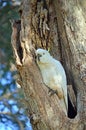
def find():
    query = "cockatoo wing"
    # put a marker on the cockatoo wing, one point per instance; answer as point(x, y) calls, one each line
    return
point(62, 79)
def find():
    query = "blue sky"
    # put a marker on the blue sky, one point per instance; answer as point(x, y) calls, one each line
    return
point(7, 84)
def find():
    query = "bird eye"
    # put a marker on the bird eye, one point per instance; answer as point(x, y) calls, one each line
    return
point(43, 53)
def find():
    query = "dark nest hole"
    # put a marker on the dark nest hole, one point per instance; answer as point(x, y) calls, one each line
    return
point(72, 112)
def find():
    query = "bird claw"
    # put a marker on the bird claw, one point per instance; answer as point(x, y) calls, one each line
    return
point(52, 92)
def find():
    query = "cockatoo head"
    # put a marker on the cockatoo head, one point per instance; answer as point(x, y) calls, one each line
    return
point(42, 56)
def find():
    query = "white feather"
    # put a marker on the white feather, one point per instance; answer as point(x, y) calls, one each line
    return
point(53, 75)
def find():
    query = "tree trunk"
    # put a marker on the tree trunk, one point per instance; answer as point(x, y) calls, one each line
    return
point(58, 26)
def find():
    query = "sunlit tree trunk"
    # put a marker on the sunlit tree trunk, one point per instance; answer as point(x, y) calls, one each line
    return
point(60, 27)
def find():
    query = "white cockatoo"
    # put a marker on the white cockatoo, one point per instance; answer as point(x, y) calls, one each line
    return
point(53, 75)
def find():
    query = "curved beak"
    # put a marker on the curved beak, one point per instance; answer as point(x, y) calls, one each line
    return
point(38, 57)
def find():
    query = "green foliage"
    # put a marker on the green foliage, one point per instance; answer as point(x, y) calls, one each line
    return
point(7, 13)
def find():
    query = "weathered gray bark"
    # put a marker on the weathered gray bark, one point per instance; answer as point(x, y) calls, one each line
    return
point(59, 26)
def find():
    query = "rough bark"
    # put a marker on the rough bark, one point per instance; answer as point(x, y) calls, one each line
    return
point(60, 27)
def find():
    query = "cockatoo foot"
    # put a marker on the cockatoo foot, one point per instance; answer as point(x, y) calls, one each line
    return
point(52, 92)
